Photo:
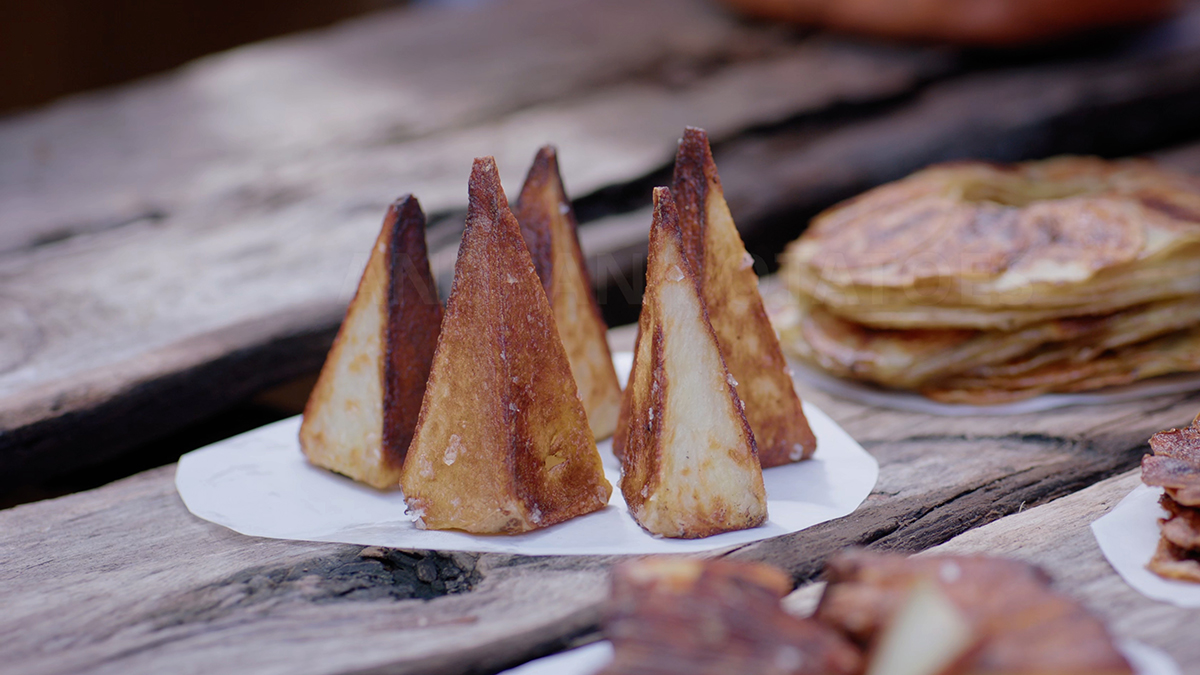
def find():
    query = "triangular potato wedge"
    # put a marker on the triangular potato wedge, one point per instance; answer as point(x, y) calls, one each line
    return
point(361, 415)
point(548, 225)
point(689, 465)
point(730, 289)
point(503, 444)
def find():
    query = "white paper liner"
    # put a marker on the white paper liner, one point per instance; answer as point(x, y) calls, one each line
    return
point(589, 659)
point(1128, 535)
point(259, 484)
point(870, 394)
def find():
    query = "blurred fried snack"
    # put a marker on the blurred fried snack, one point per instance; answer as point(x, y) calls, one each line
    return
point(982, 283)
point(1021, 624)
point(1175, 464)
point(1175, 467)
point(668, 616)
point(968, 22)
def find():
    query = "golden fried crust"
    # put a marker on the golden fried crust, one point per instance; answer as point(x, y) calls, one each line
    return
point(1024, 625)
point(689, 464)
point(360, 418)
point(1182, 526)
point(1175, 464)
point(1180, 478)
point(976, 245)
point(729, 287)
point(502, 444)
point(411, 333)
point(548, 226)
point(671, 615)
point(1183, 444)
point(1173, 562)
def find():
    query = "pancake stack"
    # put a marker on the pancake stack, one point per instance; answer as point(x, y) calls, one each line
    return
point(982, 283)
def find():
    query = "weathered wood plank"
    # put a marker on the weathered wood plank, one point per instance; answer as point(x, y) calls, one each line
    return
point(142, 586)
point(254, 243)
point(99, 160)
point(146, 586)
point(775, 182)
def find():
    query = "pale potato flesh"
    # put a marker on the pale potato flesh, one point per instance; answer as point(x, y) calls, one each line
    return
point(690, 465)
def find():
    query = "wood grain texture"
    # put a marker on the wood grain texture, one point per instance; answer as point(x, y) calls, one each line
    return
point(208, 207)
point(775, 182)
point(245, 189)
point(144, 585)
point(140, 585)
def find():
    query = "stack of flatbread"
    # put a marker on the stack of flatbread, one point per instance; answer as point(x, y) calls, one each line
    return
point(1175, 467)
point(982, 283)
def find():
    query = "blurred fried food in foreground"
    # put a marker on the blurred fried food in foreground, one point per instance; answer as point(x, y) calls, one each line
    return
point(671, 615)
point(1021, 625)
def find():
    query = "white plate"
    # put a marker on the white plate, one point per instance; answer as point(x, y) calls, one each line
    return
point(589, 659)
point(870, 394)
point(259, 484)
point(1128, 535)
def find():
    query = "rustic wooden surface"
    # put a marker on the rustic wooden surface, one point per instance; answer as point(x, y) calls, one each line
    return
point(171, 247)
point(158, 263)
point(141, 585)
point(208, 227)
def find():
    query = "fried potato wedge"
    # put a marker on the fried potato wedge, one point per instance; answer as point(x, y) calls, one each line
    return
point(689, 464)
point(361, 415)
point(502, 445)
point(548, 226)
point(729, 286)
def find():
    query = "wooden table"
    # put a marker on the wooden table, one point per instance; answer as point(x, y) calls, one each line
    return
point(170, 248)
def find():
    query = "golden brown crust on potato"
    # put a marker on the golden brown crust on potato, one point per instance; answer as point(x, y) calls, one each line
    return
point(411, 332)
point(360, 417)
point(689, 464)
point(548, 226)
point(502, 444)
point(729, 286)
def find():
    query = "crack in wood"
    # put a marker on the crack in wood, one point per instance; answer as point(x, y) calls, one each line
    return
point(72, 230)
point(352, 575)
